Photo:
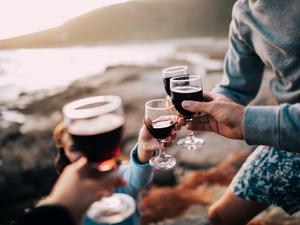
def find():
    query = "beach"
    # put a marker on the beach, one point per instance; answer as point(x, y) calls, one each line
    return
point(28, 151)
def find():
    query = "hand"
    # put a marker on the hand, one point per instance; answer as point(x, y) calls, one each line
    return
point(147, 145)
point(225, 117)
point(76, 189)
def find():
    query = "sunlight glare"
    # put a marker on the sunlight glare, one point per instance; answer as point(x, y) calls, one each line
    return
point(28, 16)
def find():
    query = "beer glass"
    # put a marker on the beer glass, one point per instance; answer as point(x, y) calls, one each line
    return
point(95, 125)
point(187, 88)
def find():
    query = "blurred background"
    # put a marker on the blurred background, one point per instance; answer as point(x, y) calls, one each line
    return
point(56, 51)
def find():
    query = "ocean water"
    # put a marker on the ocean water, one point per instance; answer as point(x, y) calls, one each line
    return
point(31, 70)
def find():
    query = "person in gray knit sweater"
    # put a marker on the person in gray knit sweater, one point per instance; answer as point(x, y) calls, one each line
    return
point(264, 34)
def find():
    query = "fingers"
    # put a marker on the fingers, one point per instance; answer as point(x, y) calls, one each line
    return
point(80, 164)
point(194, 106)
point(147, 122)
point(120, 182)
point(208, 96)
point(104, 193)
point(179, 122)
point(173, 136)
point(200, 126)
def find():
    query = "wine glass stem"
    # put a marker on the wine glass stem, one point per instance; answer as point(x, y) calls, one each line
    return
point(190, 132)
point(161, 152)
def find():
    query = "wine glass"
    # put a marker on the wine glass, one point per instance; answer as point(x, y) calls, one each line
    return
point(170, 72)
point(160, 120)
point(95, 125)
point(187, 88)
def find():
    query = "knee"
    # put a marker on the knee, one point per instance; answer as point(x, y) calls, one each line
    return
point(215, 216)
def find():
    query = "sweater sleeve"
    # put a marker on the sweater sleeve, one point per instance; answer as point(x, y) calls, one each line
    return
point(47, 215)
point(137, 175)
point(243, 68)
point(277, 126)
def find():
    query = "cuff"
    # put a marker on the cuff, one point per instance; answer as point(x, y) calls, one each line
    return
point(141, 173)
point(236, 97)
point(261, 125)
point(134, 158)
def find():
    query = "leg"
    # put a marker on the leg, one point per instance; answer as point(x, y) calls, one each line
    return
point(231, 209)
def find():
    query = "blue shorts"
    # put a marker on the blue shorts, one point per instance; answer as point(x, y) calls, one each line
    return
point(270, 176)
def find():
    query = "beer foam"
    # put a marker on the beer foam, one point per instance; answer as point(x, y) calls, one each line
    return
point(186, 89)
point(98, 125)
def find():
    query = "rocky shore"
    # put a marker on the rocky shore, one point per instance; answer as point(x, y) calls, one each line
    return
point(27, 150)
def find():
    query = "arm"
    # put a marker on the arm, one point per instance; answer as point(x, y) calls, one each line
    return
point(139, 173)
point(243, 68)
point(76, 188)
point(277, 126)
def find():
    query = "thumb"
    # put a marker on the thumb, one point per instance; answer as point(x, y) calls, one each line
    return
point(194, 106)
point(80, 164)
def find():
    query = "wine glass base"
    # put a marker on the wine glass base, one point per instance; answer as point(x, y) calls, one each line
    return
point(191, 143)
point(110, 210)
point(162, 163)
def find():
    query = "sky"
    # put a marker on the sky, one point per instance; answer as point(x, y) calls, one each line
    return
point(20, 17)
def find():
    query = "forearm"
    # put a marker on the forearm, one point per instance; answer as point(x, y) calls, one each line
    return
point(277, 126)
point(243, 68)
point(137, 175)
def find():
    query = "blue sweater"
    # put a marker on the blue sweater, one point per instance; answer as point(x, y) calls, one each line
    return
point(265, 34)
point(137, 176)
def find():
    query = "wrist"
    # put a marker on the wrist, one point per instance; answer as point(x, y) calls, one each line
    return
point(241, 122)
point(141, 156)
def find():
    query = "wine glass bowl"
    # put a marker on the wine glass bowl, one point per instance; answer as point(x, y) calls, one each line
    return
point(170, 72)
point(187, 88)
point(160, 120)
point(95, 125)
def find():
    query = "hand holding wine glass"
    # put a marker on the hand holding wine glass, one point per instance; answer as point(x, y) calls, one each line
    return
point(74, 183)
point(224, 116)
point(187, 88)
point(160, 121)
point(95, 125)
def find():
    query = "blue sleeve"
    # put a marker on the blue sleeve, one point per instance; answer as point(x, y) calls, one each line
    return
point(277, 126)
point(243, 68)
point(137, 175)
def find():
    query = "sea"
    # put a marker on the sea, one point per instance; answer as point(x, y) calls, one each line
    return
point(25, 71)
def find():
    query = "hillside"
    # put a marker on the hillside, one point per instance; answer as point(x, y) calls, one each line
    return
point(135, 21)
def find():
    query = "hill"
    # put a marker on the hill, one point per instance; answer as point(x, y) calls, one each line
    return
point(135, 21)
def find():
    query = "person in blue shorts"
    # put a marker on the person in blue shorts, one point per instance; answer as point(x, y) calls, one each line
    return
point(264, 35)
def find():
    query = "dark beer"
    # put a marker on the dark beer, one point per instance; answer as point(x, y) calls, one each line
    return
point(161, 129)
point(98, 139)
point(181, 93)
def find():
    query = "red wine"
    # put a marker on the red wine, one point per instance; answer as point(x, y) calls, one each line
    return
point(181, 93)
point(98, 139)
point(171, 72)
point(167, 85)
point(161, 129)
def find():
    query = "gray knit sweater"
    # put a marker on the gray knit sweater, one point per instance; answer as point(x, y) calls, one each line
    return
point(266, 34)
